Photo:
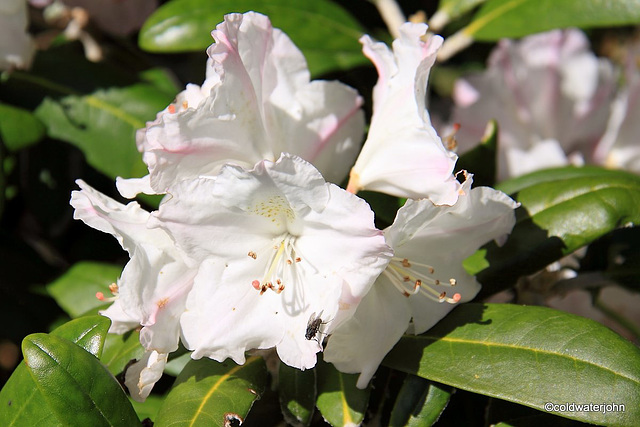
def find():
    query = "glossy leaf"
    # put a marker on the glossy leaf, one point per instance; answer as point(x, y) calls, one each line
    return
point(528, 355)
point(19, 128)
point(449, 10)
point(516, 18)
point(419, 403)
point(562, 210)
point(149, 408)
point(326, 34)
point(340, 402)
point(297, 391)
point(75, 291)
point(209, 393)
point(119, 350)
point(23, 402)
point(103, 125)
point(77, 388)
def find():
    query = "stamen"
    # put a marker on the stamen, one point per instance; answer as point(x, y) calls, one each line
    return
point(101, 297)
point(276, 272)
point(171, 108)
point(185, 104)
point(252, 255)
point(402, 271)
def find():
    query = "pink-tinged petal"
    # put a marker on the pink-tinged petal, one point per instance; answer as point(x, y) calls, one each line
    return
point(545, 87)
point(360, 344)
point(121, 322)
point(142, 375)
point(403, 155)
point(256, 103)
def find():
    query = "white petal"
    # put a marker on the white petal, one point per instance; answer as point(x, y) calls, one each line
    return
point(144, 374)
point(16, 46)
point(544, 154)
point(131, 187)
point(257, 102)
point(360, 344)
point(403, 154)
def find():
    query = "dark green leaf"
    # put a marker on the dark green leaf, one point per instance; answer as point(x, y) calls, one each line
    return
point(75, 291)
point(419, 403)
point(103, 125)
point(340, 402)
point(76, 387)
point(516, 18)
point(297, 394)
point(120, 350)
point(562, 210)
point(481, 160)
point(23, 402)
point(528, 355)
point(18, 127)
point(326, 34)
point(208, 393)
point(149, 408)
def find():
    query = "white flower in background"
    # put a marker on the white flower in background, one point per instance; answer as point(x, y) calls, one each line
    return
point(619, 147)
point(403, 155)
point(550, 95)
point(425, 278)
point(153, 287)
point(256, 103)
point(16, 46)
point(276, 245)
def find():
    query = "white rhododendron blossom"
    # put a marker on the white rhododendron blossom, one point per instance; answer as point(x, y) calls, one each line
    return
point(153, 287)
point(425, 278)
point(16, 46)
point(619, 147)
point(257, 102)
point(550, 95)
point(276, 247)
point(403, 155)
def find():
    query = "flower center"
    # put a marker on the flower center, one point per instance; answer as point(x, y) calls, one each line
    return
point(281, 266)
point(411, 278)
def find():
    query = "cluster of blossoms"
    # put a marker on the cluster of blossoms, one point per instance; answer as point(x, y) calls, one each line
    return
point(252, 248)
point(556, 104)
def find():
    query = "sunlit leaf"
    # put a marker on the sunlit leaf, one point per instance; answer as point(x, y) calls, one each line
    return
point(22, 401)
point(77, 388)
point(326, 33)
point(449, 10)
point(562, 210)
point(340, 402)
point(119, 350)
point(515, 18)
point(531, 356)
point(209, 393)
point(75, 291)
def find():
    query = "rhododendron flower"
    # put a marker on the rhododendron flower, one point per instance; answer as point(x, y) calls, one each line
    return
point(551, 98)
point(16, 46)
point(425, 278)
point(403, 155)
point(619, 147)
point(256, 103)
point(275, 246)
point(153, 287)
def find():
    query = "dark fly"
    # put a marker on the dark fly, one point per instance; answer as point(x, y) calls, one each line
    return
point(313, 326)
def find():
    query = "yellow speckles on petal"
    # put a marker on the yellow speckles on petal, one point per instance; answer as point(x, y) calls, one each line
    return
point(276, 209)
point(161, 303)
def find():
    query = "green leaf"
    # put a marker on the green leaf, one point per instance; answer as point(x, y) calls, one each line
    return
point(103, 125)
point(209, 393)
point(562, 210)
point(340, 402)
point(419, 403)
point(451, 9)
point(297, 394)
point(530, 356)
point(23, 402)
point(119, 350)
point(75, 291)
point(326, 33)
point(149, 408)
point(77, 388)
point(481, 160)
point(516, 18)
point(19, 128)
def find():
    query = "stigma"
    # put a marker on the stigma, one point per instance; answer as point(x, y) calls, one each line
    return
point(413, 278)
point(280, 268)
